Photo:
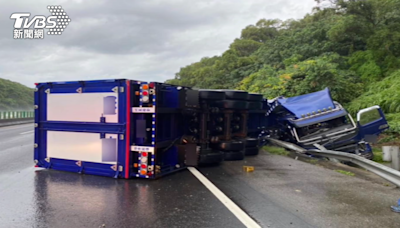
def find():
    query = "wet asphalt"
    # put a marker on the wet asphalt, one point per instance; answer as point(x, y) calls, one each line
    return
point(281, 193)
point(31, 197)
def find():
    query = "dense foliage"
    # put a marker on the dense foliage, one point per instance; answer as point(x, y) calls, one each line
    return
point(350, 46)
point(14, 96)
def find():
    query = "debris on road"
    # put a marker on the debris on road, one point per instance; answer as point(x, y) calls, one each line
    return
point(248, 168)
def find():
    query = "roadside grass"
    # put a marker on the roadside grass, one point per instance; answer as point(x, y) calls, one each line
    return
point(345, 172)
point(313, 161)
point(276, 150)
point(378, 155)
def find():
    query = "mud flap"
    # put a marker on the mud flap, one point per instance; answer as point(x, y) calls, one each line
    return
point(189, 153)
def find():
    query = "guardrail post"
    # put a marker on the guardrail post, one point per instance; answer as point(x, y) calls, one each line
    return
point(387, 153)
point(395, 157)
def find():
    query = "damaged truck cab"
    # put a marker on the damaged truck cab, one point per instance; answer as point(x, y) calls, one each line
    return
point(316, 118)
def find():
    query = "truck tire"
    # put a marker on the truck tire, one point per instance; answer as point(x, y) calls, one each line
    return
point(368, 155)
point(251, 151)
point(252, 105)
point(235, 94)
point(233, 155)
point(231, 145)
point(251, 142)
point(215, 157)
point(211, 94)
point(231, 104)
point(255, 97)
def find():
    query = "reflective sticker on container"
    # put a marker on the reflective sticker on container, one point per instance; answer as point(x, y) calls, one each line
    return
point(143, 110)
point(143, 149)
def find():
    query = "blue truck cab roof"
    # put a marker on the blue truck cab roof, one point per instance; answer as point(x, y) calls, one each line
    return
point(309, 109)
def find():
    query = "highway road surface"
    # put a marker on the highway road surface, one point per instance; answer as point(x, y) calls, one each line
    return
point(280, 193)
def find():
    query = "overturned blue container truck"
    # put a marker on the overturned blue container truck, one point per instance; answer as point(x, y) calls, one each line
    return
point(133, 129)
point(316, 118)
point(125, 128)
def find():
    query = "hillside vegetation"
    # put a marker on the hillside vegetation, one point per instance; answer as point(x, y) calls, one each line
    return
point(15, 97)
point(350, 46)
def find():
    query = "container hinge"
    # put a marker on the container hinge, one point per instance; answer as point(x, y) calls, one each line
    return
point(121, 137)
point(121, 168)
point(79, 90)
point(35, 145)
point(115, 89)
point(121, 89)
point(47, 91)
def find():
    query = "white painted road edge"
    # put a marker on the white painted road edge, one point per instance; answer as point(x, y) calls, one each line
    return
point(27, 132)
point(239, 213)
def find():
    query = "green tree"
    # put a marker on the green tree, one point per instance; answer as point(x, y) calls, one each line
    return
point(350, 46)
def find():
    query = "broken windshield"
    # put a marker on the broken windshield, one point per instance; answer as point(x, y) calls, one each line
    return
point(327, 127)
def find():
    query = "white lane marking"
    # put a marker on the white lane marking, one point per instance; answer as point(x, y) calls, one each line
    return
point(239, 213)
point(27, 132)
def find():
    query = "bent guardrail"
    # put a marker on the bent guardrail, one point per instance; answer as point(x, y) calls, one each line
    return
point(385, 172)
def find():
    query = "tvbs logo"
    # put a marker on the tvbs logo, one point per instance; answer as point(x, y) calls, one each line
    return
point(25, 28)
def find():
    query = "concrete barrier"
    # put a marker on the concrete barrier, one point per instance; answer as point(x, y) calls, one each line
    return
point(9, 122)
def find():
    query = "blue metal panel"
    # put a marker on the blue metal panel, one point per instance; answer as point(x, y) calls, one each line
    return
point(90, 127)
point(85, 167)
point(36, 155)
point(308, 103)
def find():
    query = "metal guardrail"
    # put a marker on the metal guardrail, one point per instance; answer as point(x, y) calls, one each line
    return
point(385, 172)
point(287, 145)
point(16, 115)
